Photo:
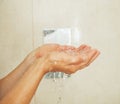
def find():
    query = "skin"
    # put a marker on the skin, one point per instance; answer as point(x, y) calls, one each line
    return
point(24, 80)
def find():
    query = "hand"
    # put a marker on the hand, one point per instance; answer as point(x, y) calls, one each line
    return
point(45, 49)
point(70, 60)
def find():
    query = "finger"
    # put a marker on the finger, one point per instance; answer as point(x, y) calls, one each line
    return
point(75, 67)
point(94, 57)
point(87, 56)
point(91, 53)
point(81, 47)
point(83, 58)
point(85, 50)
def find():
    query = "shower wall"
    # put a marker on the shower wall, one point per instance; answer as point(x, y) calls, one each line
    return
point(97, 23)
point(15, 33)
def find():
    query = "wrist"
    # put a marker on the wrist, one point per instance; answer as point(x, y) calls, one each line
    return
point(46, 64)
point(30, 58)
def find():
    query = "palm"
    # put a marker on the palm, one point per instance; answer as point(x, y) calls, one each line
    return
point(69, 61)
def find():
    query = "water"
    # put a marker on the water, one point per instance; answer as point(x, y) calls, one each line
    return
point(58, 79)
point(59, 84)
point(56, 75)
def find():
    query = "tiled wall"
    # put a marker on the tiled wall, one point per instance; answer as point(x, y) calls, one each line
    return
point(23, 21)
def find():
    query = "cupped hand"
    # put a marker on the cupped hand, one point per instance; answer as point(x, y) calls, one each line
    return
point(44, 50)
point(71, 59)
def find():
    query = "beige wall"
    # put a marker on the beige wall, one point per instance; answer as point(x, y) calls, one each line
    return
point(15, 33)
point(98, 23)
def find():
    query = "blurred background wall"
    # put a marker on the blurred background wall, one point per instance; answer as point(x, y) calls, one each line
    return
point(21, 28)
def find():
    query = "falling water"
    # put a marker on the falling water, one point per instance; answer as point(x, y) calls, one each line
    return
point(58, 78)
point(60, 36)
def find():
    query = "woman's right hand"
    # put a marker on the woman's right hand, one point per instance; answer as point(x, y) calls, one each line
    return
point(71, 60)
